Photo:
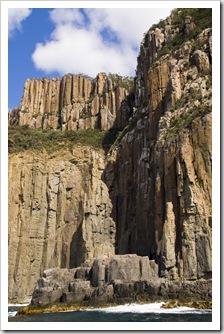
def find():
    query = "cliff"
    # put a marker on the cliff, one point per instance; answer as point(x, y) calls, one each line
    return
point(162, 207)
point(73, 102)
point(149, 195)
point(115, 279)
point(60, 216)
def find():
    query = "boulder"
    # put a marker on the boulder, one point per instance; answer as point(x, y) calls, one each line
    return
point(201, 60)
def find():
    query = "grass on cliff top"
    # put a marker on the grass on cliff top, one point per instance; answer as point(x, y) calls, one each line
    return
point(21, 138)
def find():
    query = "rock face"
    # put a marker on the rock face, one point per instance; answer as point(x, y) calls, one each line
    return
point(104, 278)
point(150, 195)
point(115, 279)
point(162, 207)
point(71, 103)
point(60, 217)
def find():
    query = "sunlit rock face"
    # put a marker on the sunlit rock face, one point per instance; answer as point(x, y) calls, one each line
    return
point(71, 103)
point(60, 216)
point(159, 177)
point(150, 195)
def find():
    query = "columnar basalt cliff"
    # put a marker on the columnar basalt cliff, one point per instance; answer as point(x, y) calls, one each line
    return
point(60, 217)
point(148, 196)
point(162, 207)
point(71, 103)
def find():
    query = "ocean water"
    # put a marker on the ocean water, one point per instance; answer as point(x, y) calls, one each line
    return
point(124, 313)
point(13, 309)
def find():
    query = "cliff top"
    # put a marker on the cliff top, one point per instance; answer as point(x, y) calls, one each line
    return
point(181, 44)
point(24, 138)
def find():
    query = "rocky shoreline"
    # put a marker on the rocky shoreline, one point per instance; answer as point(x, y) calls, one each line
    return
point(200, 305)
point(114, 280)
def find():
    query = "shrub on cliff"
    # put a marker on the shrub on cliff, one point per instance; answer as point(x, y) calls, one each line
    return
point(202, 17)
point(22, 138)
point(125, 82)
point(184, 119)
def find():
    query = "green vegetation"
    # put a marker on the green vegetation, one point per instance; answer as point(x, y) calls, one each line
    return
point(21, 138)
point(114, 135)
point(91, 97)
point(202, 17)
point(185, 119)
point(208, 78)
point(160, 25)
point(125, 82)
point(111, 137)
point(36, 115)
point(186, 98)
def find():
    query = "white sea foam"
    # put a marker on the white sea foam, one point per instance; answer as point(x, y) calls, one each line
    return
point(148, 308)
point(12, 314)
point(133, 308)
point(14, 309)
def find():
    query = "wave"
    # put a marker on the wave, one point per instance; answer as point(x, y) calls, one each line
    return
point(12, 314)
point(148, 308)
point(13, 309)
point(152, 308)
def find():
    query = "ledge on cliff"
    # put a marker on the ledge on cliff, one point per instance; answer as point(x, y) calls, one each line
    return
point(23, 138)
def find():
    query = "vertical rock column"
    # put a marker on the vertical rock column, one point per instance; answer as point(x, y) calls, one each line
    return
point(75, 92)
point(40, 103)
point(60, 217)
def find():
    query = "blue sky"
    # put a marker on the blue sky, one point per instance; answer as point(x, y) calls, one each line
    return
point(53, 42)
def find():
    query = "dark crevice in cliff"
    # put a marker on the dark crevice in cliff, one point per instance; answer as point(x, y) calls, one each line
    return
point(60, 105)
point(77, 247)
point(43, 264)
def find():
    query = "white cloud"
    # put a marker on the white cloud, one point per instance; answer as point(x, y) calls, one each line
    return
point(80, 51)
point(129, 24)
point(15, 17)
point(95, 40)
point(62, 15)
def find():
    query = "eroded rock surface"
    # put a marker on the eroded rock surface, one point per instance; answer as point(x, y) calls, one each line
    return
point(159, 176)
point(71, 103)
point(107, 280)
point(115, 279)
point(60, 216)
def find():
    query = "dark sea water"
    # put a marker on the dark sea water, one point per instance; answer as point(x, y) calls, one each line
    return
point(124, 313)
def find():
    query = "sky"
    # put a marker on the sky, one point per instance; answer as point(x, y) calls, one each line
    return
point(52, 42)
